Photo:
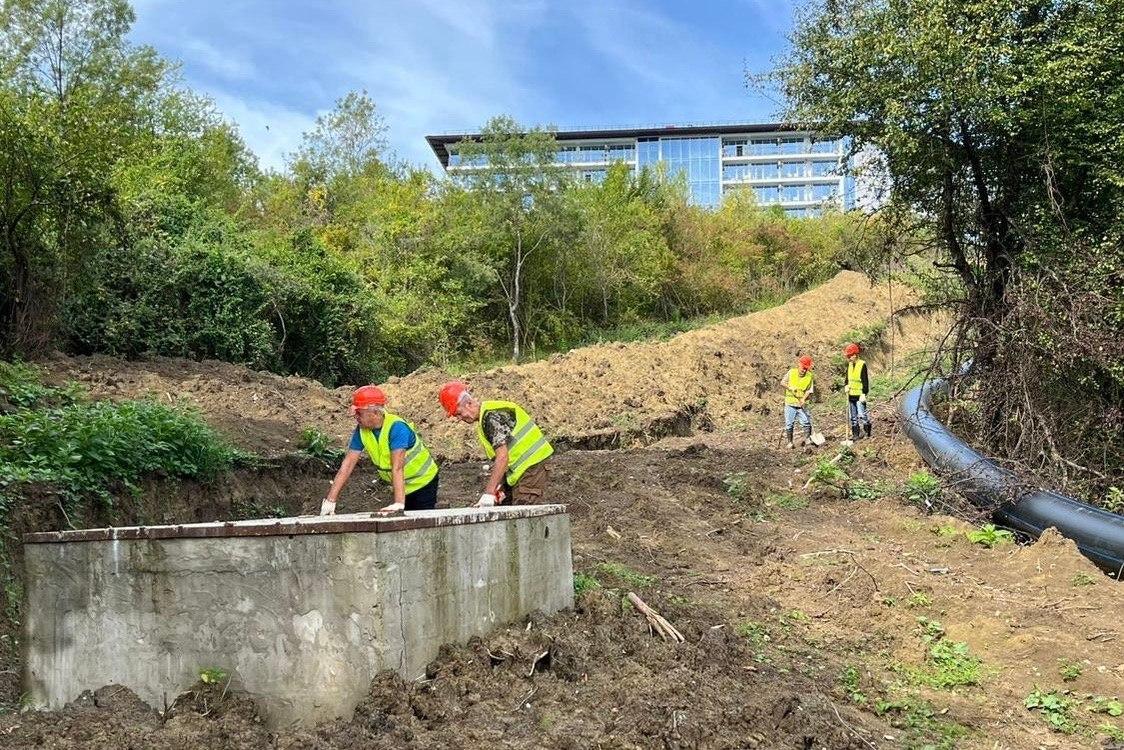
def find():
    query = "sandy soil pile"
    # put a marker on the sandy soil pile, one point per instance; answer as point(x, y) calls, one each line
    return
point(607, 395)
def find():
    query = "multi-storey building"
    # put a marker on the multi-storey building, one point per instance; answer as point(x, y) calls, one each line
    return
point(781, 164)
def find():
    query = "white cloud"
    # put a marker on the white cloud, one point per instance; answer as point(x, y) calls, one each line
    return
point(225, 63)
point(271, 131)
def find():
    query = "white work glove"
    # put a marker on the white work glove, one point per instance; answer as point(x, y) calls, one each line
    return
point(486, 501)
point(393, 507)
point(862, 398)
point(328, 507)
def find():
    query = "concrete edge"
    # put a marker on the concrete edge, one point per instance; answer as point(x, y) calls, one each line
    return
point(343, 524)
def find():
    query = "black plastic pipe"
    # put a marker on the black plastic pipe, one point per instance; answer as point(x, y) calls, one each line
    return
point(1098, 533)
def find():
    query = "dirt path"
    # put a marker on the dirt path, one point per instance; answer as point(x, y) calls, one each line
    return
point(802, 625)
point(812, 620)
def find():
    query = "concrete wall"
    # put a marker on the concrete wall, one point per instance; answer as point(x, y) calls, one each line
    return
point(302, 612)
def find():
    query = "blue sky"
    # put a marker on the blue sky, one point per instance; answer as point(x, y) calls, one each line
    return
point(445, 65)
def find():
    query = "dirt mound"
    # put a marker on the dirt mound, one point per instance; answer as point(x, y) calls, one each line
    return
point(589, 678)
point(600, 396)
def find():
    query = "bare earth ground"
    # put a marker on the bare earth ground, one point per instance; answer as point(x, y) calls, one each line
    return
point(800, 608)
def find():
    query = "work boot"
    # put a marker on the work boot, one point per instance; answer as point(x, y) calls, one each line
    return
point(788, 437)
point(854, 432)
point(807, 436)
point(866, 429)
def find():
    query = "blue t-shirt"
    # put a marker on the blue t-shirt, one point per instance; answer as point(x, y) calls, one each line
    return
point(401, 438)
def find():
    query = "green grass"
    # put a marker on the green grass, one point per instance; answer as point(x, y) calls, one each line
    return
point(948, 664)
point(625, 575)
point(1083, 579)
point(787, 501)
point(989, 536)
point(584, 583)
point(1098, 704)
point(755, 632)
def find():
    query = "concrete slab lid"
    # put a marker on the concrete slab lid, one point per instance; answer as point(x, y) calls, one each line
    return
point(340, 524)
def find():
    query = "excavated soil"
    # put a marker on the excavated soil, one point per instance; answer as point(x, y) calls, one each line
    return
point(720, 377)
point(801, 607)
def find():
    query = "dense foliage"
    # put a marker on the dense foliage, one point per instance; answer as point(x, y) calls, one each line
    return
point(136, 221)
point(997, 129)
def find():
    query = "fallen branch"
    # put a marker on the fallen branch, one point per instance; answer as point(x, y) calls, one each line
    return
point(666, 630)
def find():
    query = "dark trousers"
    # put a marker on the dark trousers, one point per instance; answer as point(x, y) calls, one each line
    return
point(425, 498)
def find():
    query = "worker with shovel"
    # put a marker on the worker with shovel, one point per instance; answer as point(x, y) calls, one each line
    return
point(397, 450)
point(858, 386)
point(513, 441)
point(798, 386)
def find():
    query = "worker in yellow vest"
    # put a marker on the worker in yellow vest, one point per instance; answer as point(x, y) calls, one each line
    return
point(858, 386)
point(400, 456)
point(511, 439)
point(798, 387)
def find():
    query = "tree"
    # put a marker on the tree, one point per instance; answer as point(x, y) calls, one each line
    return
point(513, 178)
point(998, 123)
point(345, 142)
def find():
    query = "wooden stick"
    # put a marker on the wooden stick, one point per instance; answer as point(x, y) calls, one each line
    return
point(666, 630)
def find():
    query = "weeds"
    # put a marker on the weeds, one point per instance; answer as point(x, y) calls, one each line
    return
point(1101, 705)
point(921, 723)
point(787, 501)
point(625, 575)
point(849, 679)
point(754, 632)
point(1055, 708)
point(860, 490)
point(922, 488)
point(584, 583)
point(828, 474)
point(1082, 579)
point(948, 664)
point(213, 675)
point(918, 599)
point(736, 485)
point(990, 537)
point(1069, 670)
point(317, 444)
point(1114, 500)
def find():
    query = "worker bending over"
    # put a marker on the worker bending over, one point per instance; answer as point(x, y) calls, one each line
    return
point(511, 439)
point(858, 386)
point(396, 449)
point(798, 386)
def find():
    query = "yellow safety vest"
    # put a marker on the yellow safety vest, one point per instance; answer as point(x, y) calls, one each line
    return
point(419, 469)
point(855, 377)
point(798, 386)
point(528, 445)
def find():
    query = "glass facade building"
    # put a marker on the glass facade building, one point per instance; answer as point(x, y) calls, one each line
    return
point(782, 165)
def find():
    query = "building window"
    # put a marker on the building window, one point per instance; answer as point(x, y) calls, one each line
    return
point(622, 152)
point(735, 147)
point(824, 168)
point(791, 146)
point(824, 147)
point(794, 169)
point(647, 151)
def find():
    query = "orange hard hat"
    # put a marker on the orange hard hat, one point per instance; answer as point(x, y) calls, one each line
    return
point(806, 362)
point(450, 396)
point(368, 395)
point(851, 349)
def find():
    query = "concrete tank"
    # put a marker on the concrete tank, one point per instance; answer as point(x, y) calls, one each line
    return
point(301, 612)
